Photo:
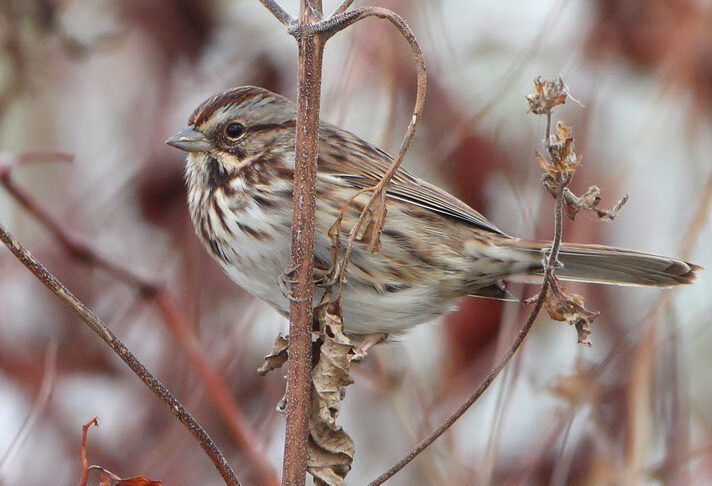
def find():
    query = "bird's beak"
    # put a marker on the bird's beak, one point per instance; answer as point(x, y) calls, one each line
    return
point(190, 140)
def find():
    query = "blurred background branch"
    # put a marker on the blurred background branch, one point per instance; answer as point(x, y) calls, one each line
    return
point(109, 81)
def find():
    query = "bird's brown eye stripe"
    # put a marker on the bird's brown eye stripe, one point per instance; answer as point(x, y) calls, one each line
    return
point(272, 126)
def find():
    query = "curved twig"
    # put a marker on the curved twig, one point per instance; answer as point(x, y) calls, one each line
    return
point(549, 272)
point(98, 326)
point(330, 27)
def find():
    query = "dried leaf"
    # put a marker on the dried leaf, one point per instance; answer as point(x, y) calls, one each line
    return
point(547, 94)
point(568, 307)
point(331, 450)
point(563, 158)
point(85, 464)
point(563, 134)
point(589, 201)
point(370, 230)
point(277, 357)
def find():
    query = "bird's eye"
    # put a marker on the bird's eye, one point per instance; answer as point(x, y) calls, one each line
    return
point(234, 130)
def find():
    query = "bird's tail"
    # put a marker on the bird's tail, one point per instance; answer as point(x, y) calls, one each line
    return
point(608, 265)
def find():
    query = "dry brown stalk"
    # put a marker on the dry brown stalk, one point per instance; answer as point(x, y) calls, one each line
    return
point(299, 396)
point(312, 33)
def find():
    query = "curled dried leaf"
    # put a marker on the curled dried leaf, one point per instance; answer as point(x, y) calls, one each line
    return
point(547, 94)
point(277, 357)
point(331, 450)
point(589, 201)
point(562, 161)
point(569, 307)
point(85, 464)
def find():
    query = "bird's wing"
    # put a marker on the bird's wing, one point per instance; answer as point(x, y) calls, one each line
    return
point(366, 165)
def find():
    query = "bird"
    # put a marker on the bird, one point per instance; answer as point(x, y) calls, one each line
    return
point(240, 147)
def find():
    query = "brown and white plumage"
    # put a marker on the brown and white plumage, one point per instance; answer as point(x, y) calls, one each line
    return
point(435, 247)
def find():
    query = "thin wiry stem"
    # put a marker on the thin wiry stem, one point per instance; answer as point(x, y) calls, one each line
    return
point(98, 326)
point(538, 304)
point(474, 395)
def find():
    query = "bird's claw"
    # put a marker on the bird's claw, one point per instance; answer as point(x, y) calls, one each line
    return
point(285, 285)
point(326, 281)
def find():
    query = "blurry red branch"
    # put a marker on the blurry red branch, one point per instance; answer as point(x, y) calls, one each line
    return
point(98, 326)
point(78, 248)
point(49, 378)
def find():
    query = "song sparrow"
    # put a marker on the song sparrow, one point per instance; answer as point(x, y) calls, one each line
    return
point(435, 248)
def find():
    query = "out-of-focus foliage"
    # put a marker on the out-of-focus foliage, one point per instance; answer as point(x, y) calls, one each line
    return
point(109, 81)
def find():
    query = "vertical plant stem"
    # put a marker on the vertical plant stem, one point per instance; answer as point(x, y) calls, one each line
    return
point(302, 259)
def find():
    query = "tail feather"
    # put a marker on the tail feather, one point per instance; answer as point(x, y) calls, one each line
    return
point(609, 265)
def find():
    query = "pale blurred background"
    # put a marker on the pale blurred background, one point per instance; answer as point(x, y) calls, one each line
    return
point(109, 81)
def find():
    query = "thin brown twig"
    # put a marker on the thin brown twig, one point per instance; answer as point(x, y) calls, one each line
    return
point(98, 326)
point(76, 247)
point(246, 439)
point(478, 391)
point(538, 304)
